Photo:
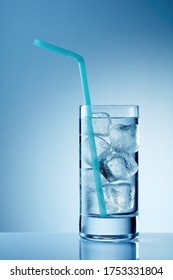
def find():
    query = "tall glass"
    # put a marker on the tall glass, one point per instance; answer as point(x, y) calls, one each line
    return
point(115, 133)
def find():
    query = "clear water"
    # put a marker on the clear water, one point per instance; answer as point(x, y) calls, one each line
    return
point(117, 151)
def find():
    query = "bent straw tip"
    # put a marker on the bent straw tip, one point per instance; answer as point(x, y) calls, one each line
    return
point(37, 42)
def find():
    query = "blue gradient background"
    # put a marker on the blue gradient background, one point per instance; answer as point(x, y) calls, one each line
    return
point(128, 48)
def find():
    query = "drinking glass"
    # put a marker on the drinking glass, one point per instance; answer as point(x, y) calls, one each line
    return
point(115, 131)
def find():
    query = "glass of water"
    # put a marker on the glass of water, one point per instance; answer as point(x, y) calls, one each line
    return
point(116, 137)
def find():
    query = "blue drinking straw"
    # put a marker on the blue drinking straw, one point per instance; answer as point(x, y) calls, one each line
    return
point(87, 101)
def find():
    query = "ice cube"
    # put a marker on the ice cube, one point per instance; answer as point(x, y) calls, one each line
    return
point(115, 166)
point(88, 189)
point(88, 181)
point(124, 138)
point(119, 198)
point(102, 147)
point(101, 124)
point(91, 203)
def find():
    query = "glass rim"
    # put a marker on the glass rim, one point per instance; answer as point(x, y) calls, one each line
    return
point(102, 105)
point(119, 110)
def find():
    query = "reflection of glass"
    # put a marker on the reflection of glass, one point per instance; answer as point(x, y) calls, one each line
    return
point(123, 250)
point(109, 194)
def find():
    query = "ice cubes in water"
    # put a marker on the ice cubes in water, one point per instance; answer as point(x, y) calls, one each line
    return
point(124, 138)
point(119, 198)
point(116, 146)
point(101, 124)
point(102, 148)
point(115, 166)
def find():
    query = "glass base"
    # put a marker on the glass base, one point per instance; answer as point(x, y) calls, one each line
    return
point(109, 229)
